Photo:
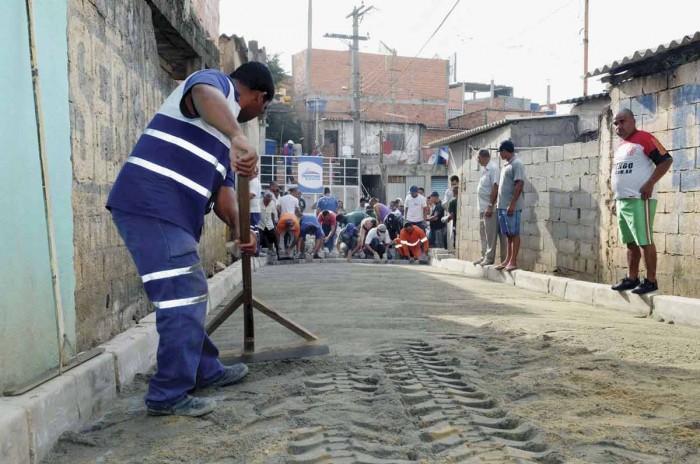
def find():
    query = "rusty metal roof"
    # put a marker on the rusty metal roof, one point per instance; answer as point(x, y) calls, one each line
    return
point(643, 55)
point(586, 98)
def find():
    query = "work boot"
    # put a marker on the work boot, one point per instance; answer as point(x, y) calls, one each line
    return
point(232, 374)
point(189, 406)
point(479, 261)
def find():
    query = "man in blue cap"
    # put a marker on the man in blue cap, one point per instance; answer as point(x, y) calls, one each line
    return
point(309, 225)
point(347, 239)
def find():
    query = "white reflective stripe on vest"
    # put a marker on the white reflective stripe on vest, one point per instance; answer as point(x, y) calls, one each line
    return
point(171, 174)
point(404, 242)
point(192, 148)
point(181, 302)
point(170, 273)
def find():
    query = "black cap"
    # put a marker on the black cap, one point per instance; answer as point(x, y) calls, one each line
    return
point(508, 146)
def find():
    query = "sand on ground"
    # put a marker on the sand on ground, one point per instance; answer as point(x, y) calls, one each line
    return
point(427, 366)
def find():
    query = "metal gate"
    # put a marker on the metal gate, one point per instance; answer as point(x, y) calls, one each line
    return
point(439, 184)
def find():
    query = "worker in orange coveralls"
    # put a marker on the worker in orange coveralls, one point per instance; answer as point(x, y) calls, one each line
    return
point(412, 244)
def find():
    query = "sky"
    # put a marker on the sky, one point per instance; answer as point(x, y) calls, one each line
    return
point(525, 44)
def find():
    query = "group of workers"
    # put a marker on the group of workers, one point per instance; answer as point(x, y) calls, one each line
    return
point(373, 230)
point(182, 167)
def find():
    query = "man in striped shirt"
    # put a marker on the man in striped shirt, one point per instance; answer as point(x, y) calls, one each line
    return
point(182, 167)
point(639, 162)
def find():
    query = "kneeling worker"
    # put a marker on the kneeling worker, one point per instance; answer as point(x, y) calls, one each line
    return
point(347, 239)
point(377, 243)
point(309, 225)
point(288, 233)
point(412, 243)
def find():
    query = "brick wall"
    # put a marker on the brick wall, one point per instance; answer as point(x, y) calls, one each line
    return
point(559, 228)
point(668, 106)
point(456, 95)
point(116, 85)
point(414, 88)
point(431, 134)
point(486, 116)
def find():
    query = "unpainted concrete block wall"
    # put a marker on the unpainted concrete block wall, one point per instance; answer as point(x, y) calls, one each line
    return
point(668, 106)
point(116, 85)
point(559, 228)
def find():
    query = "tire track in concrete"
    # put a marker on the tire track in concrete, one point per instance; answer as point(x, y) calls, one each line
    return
point(352, 441)
point(461, 423)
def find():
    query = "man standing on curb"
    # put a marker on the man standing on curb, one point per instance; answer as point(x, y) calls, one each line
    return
point(640, 161)
point(180, 168)
point(488, 219)
point(510, 202)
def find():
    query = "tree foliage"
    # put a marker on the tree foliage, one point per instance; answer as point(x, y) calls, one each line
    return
point(278, 72)
point(282, 122)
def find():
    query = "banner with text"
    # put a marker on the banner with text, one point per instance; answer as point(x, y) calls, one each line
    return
point(310, 174)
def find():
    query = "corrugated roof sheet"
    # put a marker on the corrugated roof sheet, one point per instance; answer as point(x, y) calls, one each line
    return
point(487, 127)
point(642, 55)
point(582, 99)
point(375, 121)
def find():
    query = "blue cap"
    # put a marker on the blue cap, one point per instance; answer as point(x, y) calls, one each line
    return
point(413, 189)
point(350, 229)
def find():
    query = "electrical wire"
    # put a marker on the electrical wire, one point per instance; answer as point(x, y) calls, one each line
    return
point(396, 78)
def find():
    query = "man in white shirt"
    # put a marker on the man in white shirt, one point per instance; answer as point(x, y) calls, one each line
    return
point(289, 204)
point(488, 219)
point(268, 222)
point(454, 182)
point(416, 208)
point(377, 243)
point(255, 192)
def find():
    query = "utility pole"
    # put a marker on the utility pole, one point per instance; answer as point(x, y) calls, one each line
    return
point(585, 50)
point(356, 14)
point(308, 81)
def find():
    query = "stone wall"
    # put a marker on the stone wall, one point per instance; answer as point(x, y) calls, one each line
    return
point(559, 225)
point(116, 84)
point(668, 106)
point(569, 223)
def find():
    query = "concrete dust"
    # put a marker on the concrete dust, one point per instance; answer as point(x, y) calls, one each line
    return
point(428, 366)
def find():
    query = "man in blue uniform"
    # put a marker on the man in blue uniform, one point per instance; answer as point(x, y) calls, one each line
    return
point(181, 167)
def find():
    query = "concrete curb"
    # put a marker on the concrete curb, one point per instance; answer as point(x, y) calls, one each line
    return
point(672, 309)
point(30, 424)
point(677, 309)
